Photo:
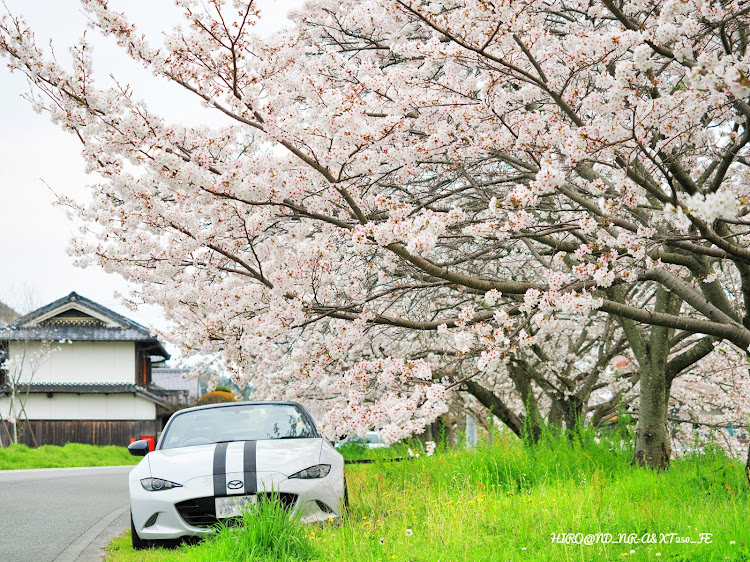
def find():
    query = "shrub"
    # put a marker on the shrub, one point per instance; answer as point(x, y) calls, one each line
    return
point(215, 397)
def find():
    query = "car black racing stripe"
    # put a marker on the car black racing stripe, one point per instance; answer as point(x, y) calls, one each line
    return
point(251, 480)
point(220, 470)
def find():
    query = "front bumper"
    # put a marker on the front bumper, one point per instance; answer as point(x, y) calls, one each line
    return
point(189, 510)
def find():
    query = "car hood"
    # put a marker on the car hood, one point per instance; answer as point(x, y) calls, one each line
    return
point(286, 456)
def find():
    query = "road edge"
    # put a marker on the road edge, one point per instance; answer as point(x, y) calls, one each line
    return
point(74, 550)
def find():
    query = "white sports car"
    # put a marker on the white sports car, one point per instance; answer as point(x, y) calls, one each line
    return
point(211, 462)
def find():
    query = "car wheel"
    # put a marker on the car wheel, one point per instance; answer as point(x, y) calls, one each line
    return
point(346, 499)
point(138, 542)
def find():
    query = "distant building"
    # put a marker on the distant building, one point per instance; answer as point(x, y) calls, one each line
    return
point(184, 390)
point(84, 373)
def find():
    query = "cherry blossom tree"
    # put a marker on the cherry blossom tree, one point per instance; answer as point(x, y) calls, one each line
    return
point(463, 169)
point(710, 402)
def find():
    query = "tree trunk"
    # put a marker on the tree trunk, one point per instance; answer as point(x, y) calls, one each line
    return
point(496, 406)
point(532, 421)
point(555, 416)
point(431, 433)
point(652, 440)
point(572, 413)
point(652, 448)
point(523, 426)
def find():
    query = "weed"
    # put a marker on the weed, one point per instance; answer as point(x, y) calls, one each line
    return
point(266, 533)
point(506, 501)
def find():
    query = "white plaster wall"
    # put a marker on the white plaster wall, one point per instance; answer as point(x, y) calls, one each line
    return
point(84, 407)
point(77, 362)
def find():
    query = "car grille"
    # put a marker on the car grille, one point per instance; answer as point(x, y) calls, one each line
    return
point(201, 512)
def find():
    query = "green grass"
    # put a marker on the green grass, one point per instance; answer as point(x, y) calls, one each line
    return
point(267, 533)
point(503, 503)
point(72, 454)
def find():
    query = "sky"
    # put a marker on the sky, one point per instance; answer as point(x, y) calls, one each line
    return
point(37, 159)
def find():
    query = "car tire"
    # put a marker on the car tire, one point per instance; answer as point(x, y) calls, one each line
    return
point(137, 542)
point(346, 499)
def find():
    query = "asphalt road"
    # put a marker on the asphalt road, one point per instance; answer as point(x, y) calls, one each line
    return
point(61, 514)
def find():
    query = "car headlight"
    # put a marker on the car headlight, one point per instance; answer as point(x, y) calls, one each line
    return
point(317, 471)
point(157, 484)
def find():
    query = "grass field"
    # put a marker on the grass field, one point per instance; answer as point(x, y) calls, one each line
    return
point(505, 503)
point(72, 454)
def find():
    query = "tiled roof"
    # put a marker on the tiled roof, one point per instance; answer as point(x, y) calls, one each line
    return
point(23, 328)
point(75, 298)
point(73, 333)
point(89, 388)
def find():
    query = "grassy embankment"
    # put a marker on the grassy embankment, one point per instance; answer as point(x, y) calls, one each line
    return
point(72, 454)
point(504, 503)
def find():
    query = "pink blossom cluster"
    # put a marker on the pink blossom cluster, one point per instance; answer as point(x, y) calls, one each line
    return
point(400, 198)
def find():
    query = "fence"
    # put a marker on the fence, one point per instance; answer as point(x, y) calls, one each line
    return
point(92, 432)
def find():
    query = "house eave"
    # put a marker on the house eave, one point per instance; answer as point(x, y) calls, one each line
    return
point(86, 388)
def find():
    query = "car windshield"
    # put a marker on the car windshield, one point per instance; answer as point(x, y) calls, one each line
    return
point(244, 422)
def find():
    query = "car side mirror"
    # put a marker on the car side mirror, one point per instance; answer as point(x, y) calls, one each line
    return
point(139, 448)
